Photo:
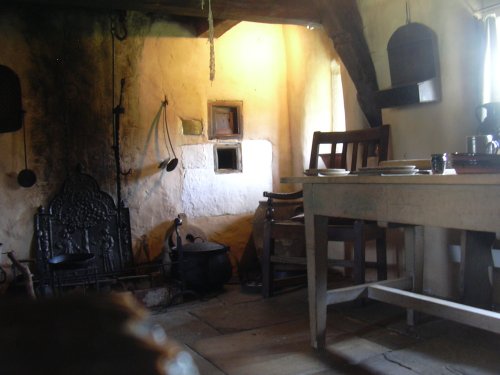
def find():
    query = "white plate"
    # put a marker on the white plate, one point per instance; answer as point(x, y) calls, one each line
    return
point(389, 170)
point(384, 169)
point(333, 172)
point(400, 173)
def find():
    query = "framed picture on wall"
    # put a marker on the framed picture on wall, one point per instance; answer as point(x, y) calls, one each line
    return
point(225, 119)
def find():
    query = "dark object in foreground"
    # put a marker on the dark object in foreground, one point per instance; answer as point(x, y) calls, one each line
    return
point(85, 335)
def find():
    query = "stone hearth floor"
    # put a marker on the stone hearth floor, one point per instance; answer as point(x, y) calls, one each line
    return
point(235, 333)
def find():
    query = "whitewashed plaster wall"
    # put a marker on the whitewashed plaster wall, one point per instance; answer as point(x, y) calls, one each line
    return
point(158, 59)
point(282, 74)
point(207, 193)
point(417, 131)
point(354, 116)
point(311, 95)
point(251, 67)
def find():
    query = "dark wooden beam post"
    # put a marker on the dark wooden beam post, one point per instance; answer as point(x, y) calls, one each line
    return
point(342, 22)
point(272, 11)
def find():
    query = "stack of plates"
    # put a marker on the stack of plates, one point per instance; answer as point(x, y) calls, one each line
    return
point(333, 172)
point(402, 170)
point(420, 164)
point(326, 172)
point(464, 163)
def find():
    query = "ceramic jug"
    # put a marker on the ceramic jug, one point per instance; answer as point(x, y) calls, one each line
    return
point(488, 115)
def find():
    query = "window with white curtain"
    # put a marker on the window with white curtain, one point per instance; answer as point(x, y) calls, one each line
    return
point(338, 112)
point(337, 104)
point(491, 67)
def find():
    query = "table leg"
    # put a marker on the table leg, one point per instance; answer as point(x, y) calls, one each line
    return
point(476, 258)
point(317, 251)
point(414, 263)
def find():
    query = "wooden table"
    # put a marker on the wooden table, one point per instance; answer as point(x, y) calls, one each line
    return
point(467, 202)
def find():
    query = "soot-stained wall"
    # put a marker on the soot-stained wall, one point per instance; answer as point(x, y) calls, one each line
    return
point(70, 81)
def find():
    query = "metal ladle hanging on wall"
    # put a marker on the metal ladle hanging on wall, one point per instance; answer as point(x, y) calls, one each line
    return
point(168, 164)
point(26, 178)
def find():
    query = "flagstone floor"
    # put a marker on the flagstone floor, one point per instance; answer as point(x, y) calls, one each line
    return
point(235, 333)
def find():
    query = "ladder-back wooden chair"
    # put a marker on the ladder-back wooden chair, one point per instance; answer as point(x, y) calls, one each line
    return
point(349, 150)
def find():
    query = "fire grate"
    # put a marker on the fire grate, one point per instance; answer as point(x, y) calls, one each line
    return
point(80, 236)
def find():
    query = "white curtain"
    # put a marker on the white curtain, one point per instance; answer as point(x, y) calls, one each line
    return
point(491, 68)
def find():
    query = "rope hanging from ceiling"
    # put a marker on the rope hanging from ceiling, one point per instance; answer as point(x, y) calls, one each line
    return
point(210, 38)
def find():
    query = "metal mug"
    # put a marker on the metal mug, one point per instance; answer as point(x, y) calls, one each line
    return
point(482, 144)
point(438, 163)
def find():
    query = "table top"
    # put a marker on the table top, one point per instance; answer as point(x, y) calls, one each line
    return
point(467, 201)
point(455, 179)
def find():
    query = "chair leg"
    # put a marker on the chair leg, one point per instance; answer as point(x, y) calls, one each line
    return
point(267, 266)
point(348, 256)
point(359, 252)
point(381, 246)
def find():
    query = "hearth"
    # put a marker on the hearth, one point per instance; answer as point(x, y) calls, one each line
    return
point(82, 238)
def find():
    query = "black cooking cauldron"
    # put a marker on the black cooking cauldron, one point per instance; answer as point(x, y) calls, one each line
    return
point(204, 267)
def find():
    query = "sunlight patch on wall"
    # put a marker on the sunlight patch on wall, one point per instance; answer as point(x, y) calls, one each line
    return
point(206, 193)
point(338, 109)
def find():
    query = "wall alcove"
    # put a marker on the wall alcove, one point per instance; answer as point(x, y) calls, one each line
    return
point(227, 157)
point(225, 119)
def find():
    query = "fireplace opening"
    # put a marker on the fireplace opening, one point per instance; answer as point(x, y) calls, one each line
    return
point(227, 158)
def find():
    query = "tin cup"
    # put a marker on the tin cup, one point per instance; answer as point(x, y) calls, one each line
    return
point(481, 144)
point(438, 163)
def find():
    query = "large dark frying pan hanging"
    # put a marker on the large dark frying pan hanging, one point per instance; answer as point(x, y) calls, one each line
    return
point(12, 115)
point(11, 112)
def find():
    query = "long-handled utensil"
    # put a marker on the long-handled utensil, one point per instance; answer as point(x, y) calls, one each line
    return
point(26, 178)
point(168, 164)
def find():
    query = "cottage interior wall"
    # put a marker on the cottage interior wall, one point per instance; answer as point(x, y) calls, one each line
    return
point(64, 61)
point(281, 73)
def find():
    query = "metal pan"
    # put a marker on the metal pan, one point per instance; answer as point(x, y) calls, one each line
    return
point(70, 261)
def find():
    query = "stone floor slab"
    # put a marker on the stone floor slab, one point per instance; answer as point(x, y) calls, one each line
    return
point(183, 326)
point(205, 367)
point(278, 349)
point(451, 353)
point(255, 314)
point(354, 350)
point(389, 338)
point(381, 365)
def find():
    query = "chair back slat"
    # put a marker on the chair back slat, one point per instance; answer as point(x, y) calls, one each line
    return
point(354, 154)
point(357, 146)
point(343, 159)
point(364, 158)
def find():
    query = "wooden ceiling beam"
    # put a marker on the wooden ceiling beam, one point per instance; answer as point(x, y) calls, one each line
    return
point(342, 22)
point(220, 27)
point(200, 25)
point(270, 11)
